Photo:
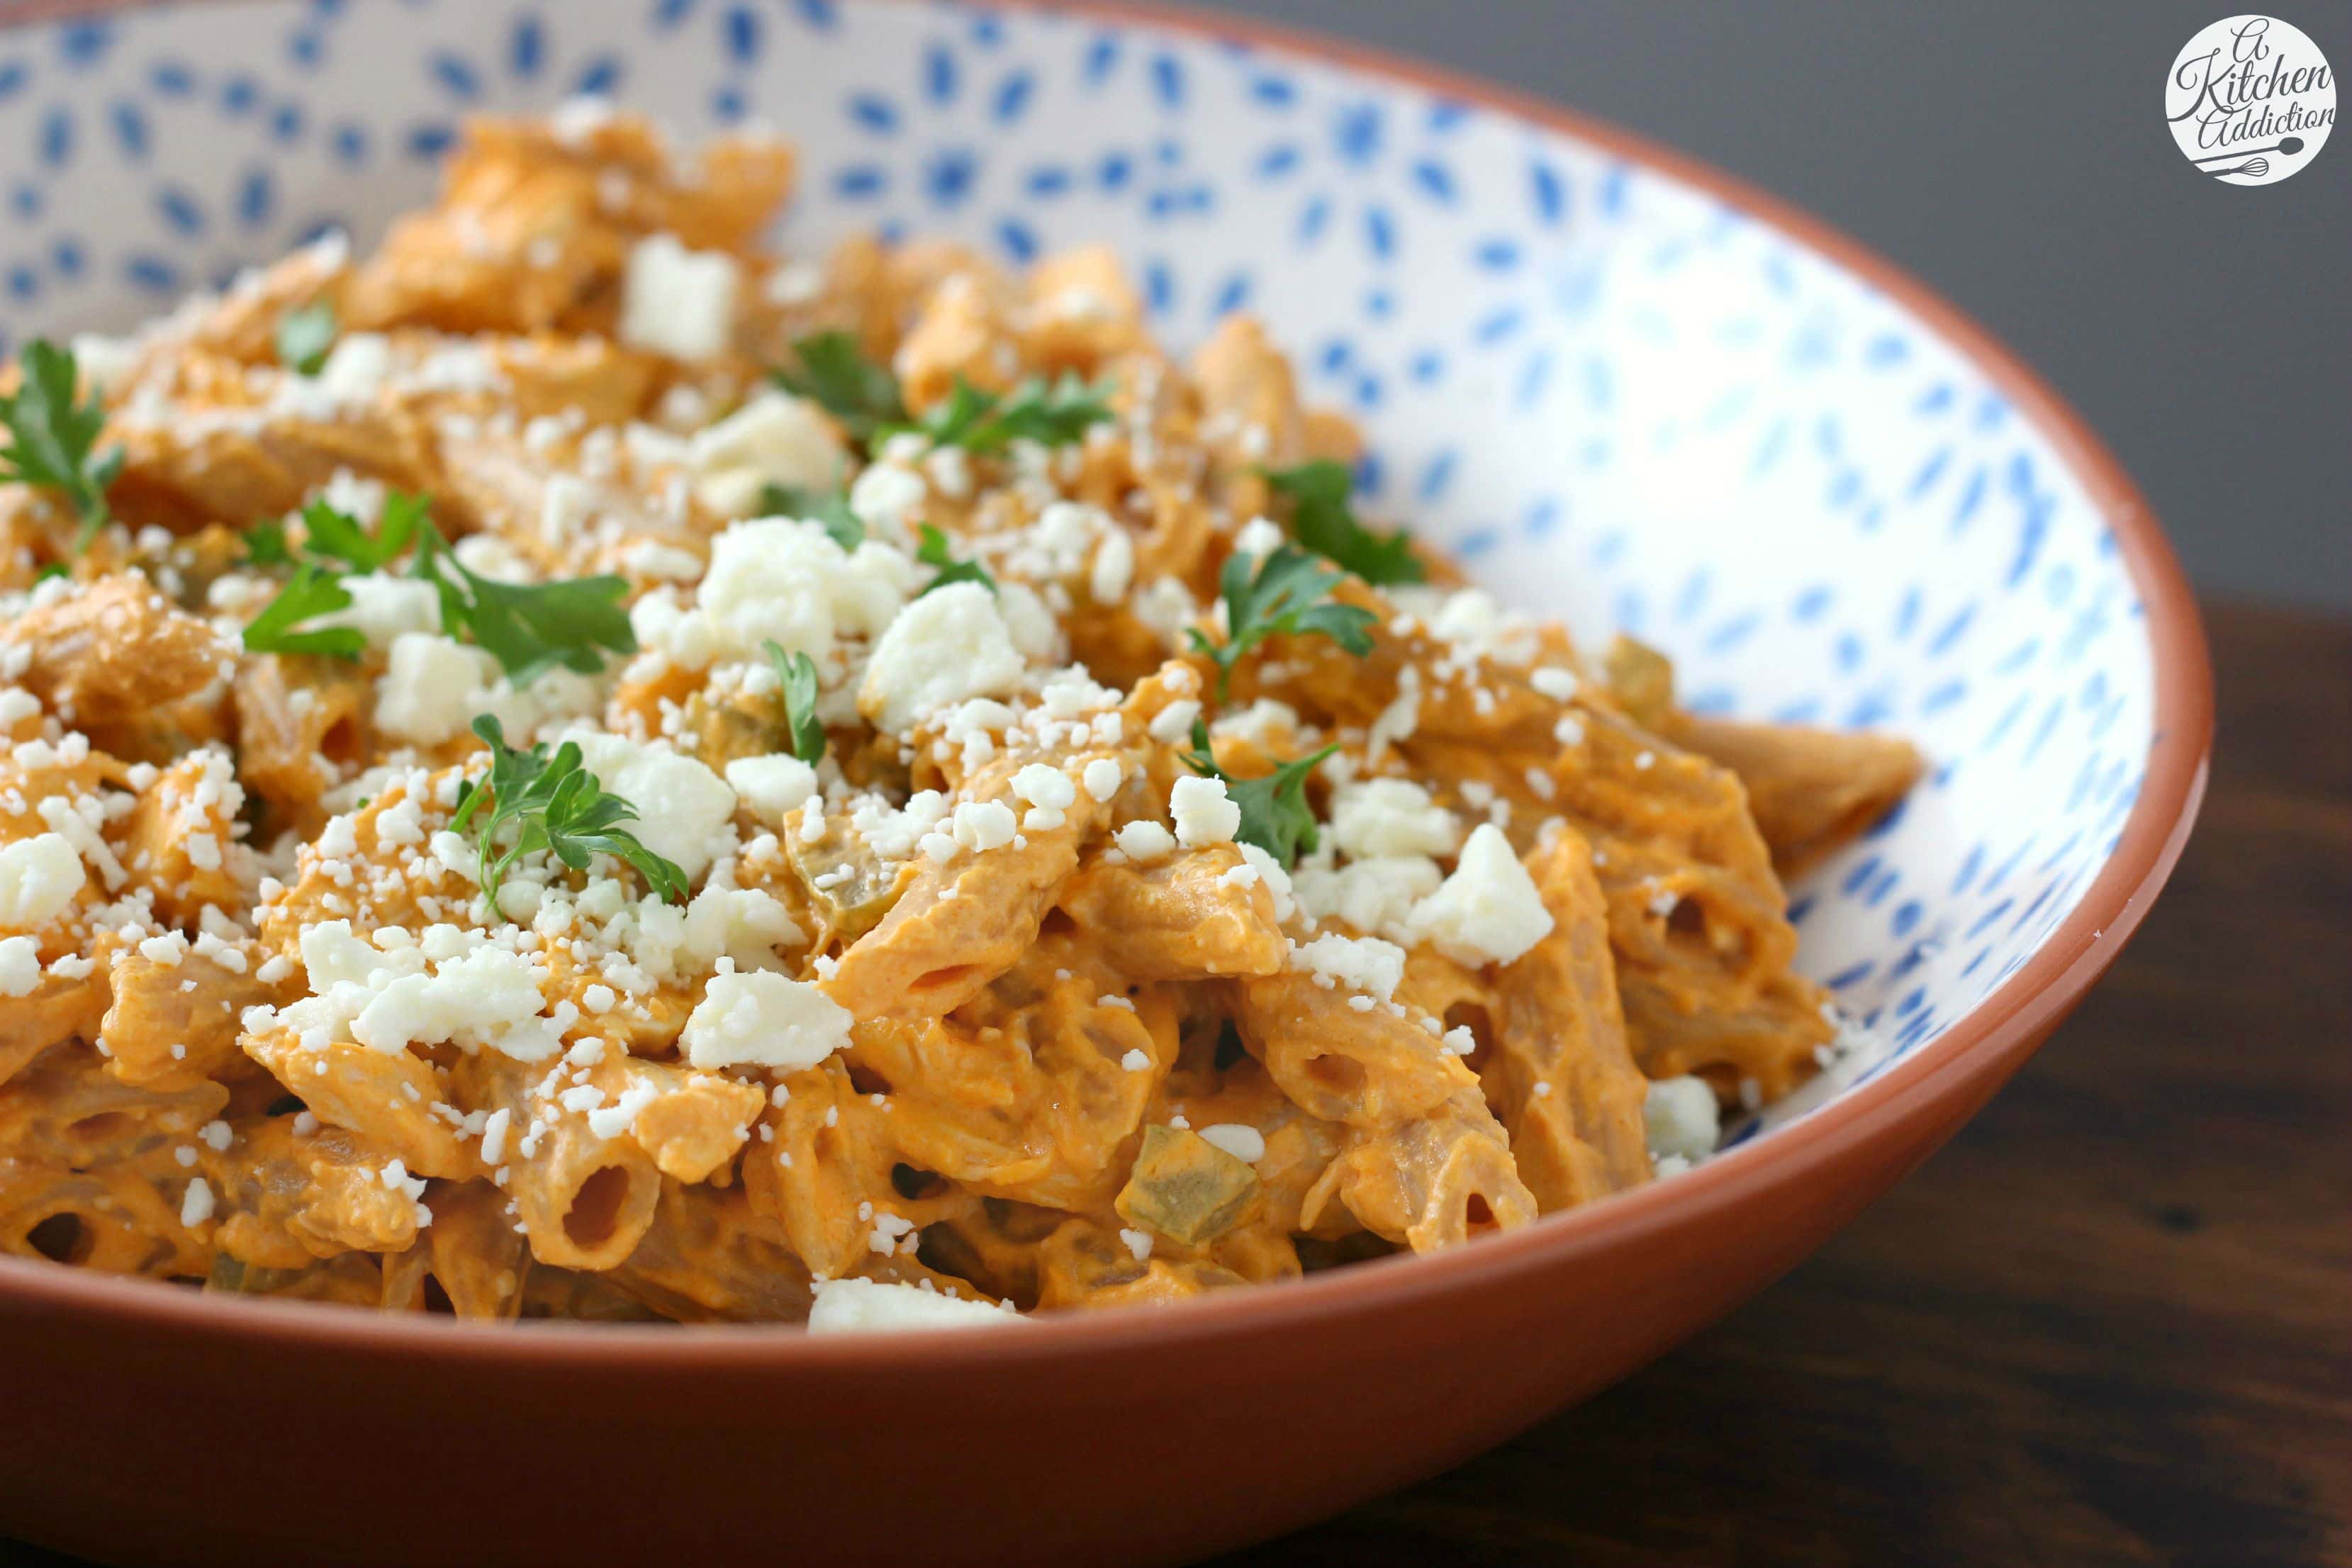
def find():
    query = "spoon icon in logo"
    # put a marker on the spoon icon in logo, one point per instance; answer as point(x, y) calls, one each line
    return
point(2290, 146)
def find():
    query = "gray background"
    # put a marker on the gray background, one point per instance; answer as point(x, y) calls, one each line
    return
point(2014, 154)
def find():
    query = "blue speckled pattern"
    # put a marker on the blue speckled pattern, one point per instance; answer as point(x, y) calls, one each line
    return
point(1619, 400)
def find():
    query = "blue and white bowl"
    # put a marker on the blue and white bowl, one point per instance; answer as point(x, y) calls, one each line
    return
point(1621, 389)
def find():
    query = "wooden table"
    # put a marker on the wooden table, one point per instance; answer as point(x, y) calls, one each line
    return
point(2110, 1324)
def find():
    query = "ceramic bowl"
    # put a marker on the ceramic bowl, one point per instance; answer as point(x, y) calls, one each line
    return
point(1622, 388)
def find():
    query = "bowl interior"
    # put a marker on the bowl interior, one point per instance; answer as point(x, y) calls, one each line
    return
point(1620, 400)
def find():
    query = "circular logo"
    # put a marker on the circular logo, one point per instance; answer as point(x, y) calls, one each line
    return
point(2250, 101)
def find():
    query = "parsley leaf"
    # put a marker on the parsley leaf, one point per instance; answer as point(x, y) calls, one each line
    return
point(53, 438)
point(265, 544)
point(528, 627)
point(532, 628)
point(1290, 595)
point(798, 672)
point(933, 551)
point(552, 804)
point(340, 534)
point(54, 569)
point(1274, 813)
point(304, 334)
point(1319, 520)
point(313, 591)
point(835, 372)
point(986, 422)
point(831, 510)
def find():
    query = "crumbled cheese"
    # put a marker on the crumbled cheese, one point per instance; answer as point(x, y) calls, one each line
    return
point(985, 825)
point(1680, 1119)
point(774, 787)
point(494, 1135)
point(1557, 684)
point(1263, 867)
point(1365, 963)
point(1102, 777)
point(1203, 812)
point(384, 608)
point(1173, 725)
point(887, 498)
point(432, 689)
point(39, 879)
point(764, 1019)
point(1144, 841)
point(741, 926)
point(1258, 536)
point(781, 581)
point(450, 984)
point(355, 368)
point(678, 301)
point(1375, 896)
point(613, 1121)
point(775, 439)
point(948, 646)
point(852, 1306)
point(20, 965)
point(1041, 784)
point(1384, 816)
point(1139, 1243)
point(1242, 1141)
point(1488, 912)
point(195, 1204)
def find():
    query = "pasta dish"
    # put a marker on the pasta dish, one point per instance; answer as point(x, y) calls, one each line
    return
point(574, 767)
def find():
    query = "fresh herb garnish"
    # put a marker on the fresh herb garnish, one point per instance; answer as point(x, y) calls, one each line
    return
point(528, 627)
point(54, 569)
point(1274, 813)
point(1320, 520)
point(985, 422)
point(305, 335)
point(54, 439)
point(861, 395)
point(552, 804)
point(1290, 595)
point(341, 535)
point(831, 511)
point(933, 551)
point(265, 544)
point(865, 399)
point(313, 591)
point(797, 670)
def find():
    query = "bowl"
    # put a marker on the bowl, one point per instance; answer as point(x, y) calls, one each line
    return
point(1621, 387)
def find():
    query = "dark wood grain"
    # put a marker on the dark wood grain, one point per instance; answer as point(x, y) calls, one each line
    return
point(2110, 1325)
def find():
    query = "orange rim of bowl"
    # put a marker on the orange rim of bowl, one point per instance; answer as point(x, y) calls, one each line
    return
point(1984, 1043)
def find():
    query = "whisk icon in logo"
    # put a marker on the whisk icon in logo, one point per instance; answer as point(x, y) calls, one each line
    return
point(2251, 100)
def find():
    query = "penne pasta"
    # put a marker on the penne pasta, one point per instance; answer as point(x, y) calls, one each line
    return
point(575, 766)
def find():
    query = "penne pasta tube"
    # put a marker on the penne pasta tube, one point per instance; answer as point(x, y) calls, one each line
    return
point(1812, 791)
point(583, 1199)
point(1559, 1074)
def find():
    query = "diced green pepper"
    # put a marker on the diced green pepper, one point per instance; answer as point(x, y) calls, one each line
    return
point(1186, 1188)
